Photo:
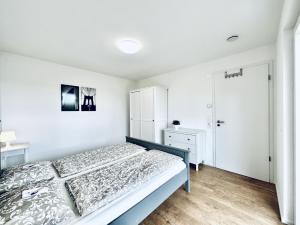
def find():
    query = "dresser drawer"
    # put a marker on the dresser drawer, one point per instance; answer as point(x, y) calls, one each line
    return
point(193, 151)
point(191, 148)
point(189, 139)
point(184, 146)
point(173, 137)
point(173, 144)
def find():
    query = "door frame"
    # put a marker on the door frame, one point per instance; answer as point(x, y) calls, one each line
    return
point(270, 107)
point(296, 118)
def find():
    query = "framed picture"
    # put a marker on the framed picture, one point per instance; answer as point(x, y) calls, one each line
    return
point(88, 99)
point(69, 98)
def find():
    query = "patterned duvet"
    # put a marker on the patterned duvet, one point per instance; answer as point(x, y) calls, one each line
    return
point(18, 176)
point(77, 163)
point(95, 189)
point(42, 208)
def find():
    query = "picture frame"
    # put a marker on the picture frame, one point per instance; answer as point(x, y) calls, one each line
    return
point(69, 98)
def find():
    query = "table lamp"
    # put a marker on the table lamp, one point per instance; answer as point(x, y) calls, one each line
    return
point(7, 137)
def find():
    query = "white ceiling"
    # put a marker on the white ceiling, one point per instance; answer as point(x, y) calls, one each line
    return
point(174, 33)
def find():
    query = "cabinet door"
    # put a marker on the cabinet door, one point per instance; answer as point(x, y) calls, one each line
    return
point(147, 104)
point(135, 105)
point(147, 131)
point(135, 114)
point(135, 128)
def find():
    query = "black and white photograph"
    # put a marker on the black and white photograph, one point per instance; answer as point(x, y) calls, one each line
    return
point(69, 98)
point(88, 99)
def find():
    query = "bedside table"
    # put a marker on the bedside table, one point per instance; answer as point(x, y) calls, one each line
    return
point(14, 154)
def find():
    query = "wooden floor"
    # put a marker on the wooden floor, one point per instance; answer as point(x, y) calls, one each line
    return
point(219, 197)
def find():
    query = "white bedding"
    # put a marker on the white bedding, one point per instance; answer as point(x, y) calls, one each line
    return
point(116, 208)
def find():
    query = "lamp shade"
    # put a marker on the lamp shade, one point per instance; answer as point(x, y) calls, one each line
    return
point(7, 136)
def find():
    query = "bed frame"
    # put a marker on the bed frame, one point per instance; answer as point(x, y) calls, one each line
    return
point(140, 211)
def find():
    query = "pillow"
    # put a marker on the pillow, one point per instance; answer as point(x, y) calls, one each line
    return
point(40, 204)
point(17, 176)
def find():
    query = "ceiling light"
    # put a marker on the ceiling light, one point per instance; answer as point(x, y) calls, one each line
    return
point(129, 46)
point(232, 38)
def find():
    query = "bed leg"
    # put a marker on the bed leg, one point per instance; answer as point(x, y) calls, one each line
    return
point(187, 187)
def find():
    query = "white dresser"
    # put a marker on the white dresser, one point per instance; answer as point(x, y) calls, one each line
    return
point(189, 139)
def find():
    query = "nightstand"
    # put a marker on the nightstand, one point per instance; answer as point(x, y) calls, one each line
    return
point(14, 154)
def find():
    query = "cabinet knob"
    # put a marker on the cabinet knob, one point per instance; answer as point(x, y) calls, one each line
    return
point(170, 145)
point(170, 136)
point(188, 139)
point(188, 148)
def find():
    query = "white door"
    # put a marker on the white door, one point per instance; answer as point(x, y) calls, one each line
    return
point(242, 134)
point(135, 114)
point(147, 114)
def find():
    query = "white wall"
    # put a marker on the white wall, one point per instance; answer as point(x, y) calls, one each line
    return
point(30, 105)
point(284, 87)
point(190, 89)
point(297, 124)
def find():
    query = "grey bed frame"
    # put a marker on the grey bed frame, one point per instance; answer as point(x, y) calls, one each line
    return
point(140, 211)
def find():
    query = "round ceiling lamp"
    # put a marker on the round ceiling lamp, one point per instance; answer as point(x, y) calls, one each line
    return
point(129, 46)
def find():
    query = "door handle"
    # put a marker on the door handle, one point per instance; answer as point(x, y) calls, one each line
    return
point(219, 122)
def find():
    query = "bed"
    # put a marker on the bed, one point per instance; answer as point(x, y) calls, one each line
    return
point(134, 206)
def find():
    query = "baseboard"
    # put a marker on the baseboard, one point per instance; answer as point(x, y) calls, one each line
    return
point(287, 221)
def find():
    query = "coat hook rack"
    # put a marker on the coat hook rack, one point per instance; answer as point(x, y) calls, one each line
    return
point(232, 75)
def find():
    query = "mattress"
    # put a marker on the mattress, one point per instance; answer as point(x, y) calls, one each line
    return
point(84, 161)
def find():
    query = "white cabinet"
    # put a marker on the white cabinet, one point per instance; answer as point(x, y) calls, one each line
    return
point(189, 139)
point(148, 113)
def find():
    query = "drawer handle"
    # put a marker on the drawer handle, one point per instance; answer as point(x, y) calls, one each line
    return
point(170, 136)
